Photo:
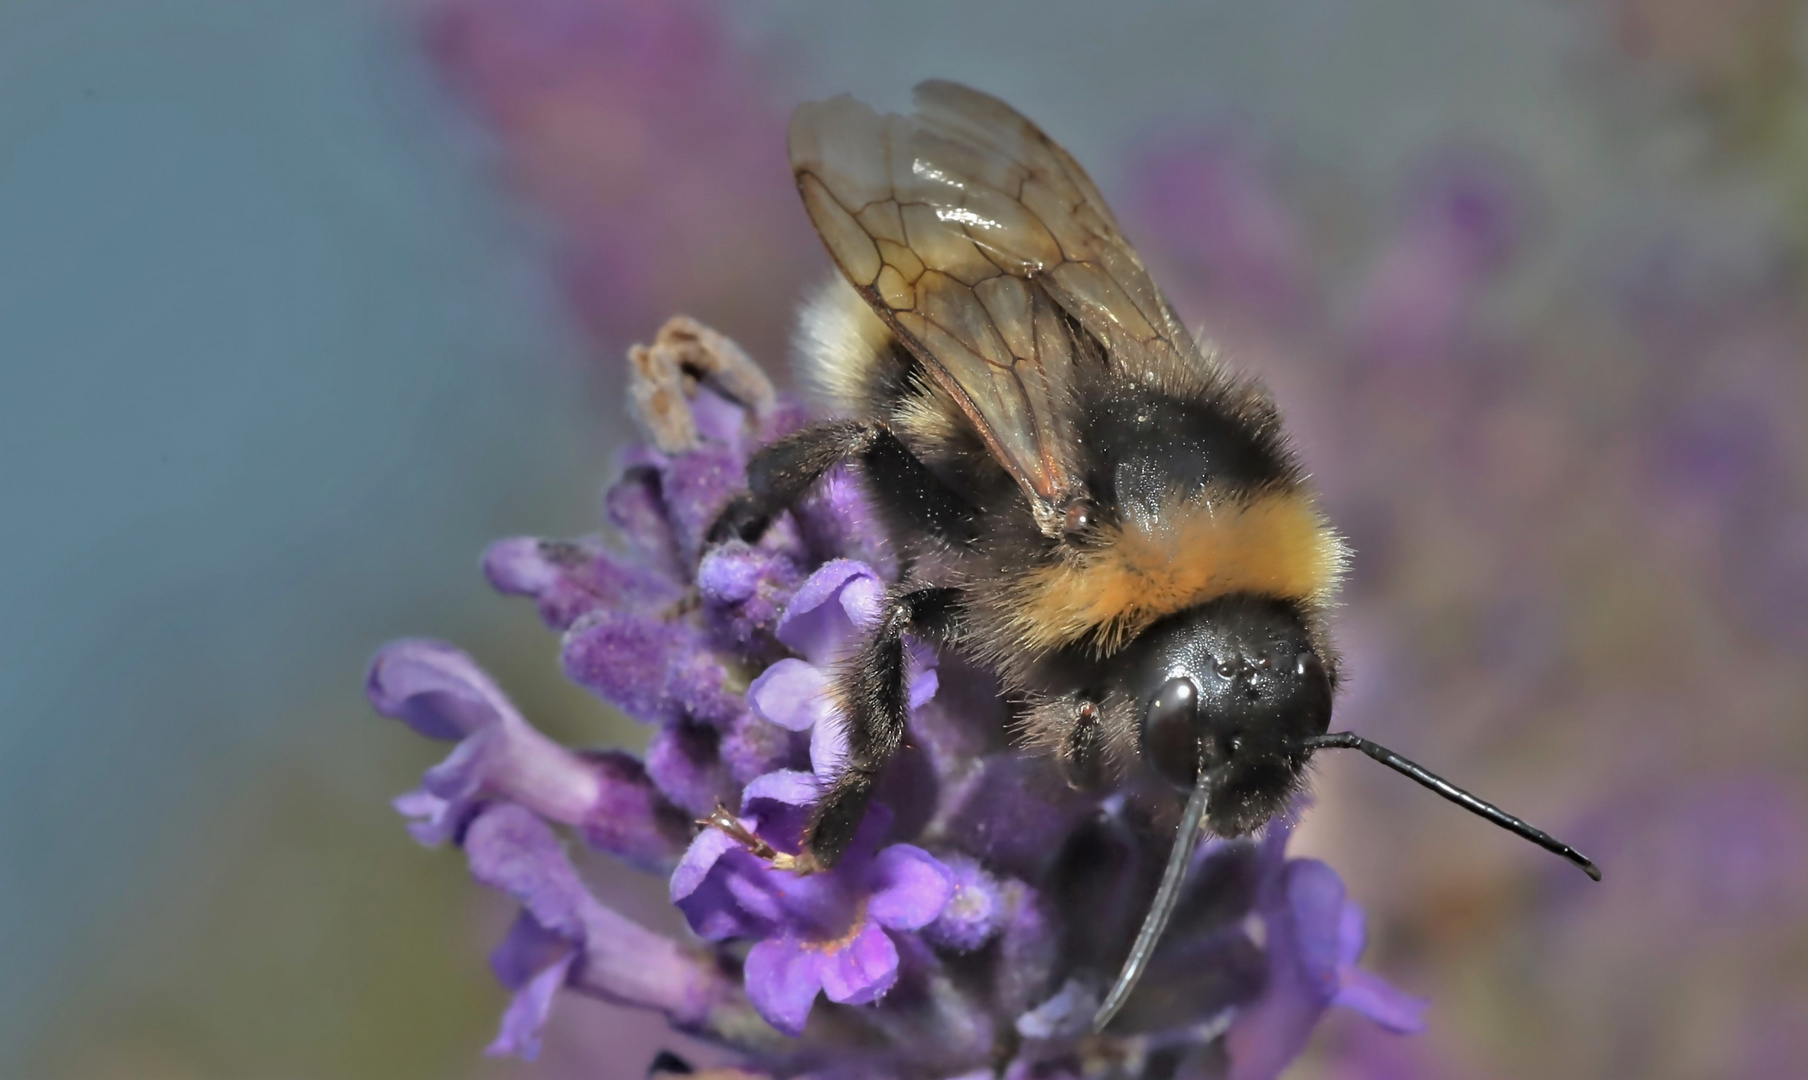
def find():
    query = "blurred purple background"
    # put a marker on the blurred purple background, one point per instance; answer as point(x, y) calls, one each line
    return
point(1526, 278)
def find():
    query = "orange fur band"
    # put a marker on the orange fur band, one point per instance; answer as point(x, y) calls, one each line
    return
point(1274, 544)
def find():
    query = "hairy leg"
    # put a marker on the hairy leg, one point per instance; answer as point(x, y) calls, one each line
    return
point(784, 471)
point(1083, 751)
point(876, 702)
point(910, 499)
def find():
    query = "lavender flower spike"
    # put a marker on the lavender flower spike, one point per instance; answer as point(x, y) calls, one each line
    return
point(977, 916)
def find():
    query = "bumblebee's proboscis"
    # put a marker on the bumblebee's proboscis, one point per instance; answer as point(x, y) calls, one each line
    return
point(1084, 499)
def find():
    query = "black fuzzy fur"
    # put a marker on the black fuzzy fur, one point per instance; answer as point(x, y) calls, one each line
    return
point(875, 703)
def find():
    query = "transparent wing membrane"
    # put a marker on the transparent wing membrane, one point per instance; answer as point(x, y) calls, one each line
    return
point(983, 244)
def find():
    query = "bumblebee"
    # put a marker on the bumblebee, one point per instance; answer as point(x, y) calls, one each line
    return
point(1086, 500)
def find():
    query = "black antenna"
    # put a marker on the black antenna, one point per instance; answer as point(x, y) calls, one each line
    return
point(1167, 898)
point(1344, 740)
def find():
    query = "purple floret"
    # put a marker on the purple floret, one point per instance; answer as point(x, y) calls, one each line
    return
point(832, 933)
point(975, 912)
point(1314, 936)
point(441, 693)
point(654, 669)
point(565, 937)
point(572, 579)
point(824, 624)
point(973, 924)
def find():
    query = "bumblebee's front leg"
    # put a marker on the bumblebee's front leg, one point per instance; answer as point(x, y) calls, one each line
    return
point(875, 700)
point(782, 472)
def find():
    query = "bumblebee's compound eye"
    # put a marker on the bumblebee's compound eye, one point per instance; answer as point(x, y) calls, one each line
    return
point(1315, 683)
point(1171, 731)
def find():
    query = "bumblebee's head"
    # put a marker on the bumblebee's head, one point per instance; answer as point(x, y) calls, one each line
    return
point(1233, 699)
point(1231, 687)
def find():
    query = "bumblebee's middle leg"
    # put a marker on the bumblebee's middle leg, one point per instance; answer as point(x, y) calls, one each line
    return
point(875, 698)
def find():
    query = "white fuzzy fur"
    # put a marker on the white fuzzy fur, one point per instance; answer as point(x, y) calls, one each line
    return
point(838, 341)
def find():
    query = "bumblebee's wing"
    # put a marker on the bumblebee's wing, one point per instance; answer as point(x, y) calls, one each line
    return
point(970, 232)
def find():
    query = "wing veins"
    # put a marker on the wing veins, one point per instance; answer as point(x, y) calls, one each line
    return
point(1078, 276)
